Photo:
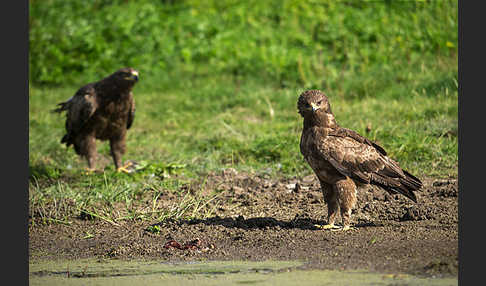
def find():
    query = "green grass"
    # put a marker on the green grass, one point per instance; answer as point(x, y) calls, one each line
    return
point(315, 42)
point(217, 124)
point(191, 132)
point(218, 89)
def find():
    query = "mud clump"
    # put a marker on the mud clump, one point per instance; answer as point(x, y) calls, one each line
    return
point(442, 267)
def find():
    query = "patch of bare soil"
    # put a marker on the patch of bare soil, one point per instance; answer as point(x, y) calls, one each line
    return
point(259, 218)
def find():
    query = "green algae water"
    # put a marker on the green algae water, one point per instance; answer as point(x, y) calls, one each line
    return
point(119, 273)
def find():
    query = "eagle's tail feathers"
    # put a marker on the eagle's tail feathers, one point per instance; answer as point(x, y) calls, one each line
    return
point(406, 192)
point(66, 139)
point(411, 181)
point(63, 106)
point(405, 186)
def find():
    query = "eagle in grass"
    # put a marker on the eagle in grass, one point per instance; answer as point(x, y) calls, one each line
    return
point(342, 160)
point(102, 110)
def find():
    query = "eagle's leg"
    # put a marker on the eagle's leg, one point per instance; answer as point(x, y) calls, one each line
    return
point(117, 149)
point(86, 147)
point(330, 197)
point(346, 196)
point(91, 158)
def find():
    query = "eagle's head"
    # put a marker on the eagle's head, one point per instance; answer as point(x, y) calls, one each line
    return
point(312, 103)
point(128, 76)
point(314, 106)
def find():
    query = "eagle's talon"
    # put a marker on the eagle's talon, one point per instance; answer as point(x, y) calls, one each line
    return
point(345, 228)
point(327, 226)
point(123, 169)
point(89, 171)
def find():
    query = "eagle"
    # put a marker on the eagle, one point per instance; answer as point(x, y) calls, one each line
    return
point(343, 160)
point(102, 110)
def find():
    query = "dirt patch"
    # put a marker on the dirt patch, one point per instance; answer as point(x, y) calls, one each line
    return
point(260, 218)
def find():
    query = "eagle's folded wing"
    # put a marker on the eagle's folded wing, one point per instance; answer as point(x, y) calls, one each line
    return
point(131, 113)
point(357, 160)
point(80, 108)
point(344, 132)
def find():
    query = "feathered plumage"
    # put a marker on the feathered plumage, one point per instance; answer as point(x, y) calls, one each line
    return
point(342, 159)
point(102, 110)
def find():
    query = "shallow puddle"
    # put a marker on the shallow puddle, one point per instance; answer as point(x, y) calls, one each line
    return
point(116, 272)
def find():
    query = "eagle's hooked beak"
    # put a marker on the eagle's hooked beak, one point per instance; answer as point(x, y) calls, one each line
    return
point(135, 75)
point(314, 107)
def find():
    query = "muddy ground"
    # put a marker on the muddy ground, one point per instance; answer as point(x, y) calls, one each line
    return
point(259, 218)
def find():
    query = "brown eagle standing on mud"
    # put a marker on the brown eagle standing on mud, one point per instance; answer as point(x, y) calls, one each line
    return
point(101, 110)
point(342, 160)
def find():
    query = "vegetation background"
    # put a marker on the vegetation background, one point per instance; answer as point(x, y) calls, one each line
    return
point(219, 85)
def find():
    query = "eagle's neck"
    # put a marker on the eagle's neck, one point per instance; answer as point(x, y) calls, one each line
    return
point(325, 120)
point(114, 90)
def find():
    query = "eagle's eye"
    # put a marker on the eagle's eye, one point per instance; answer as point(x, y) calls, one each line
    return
point(319, 102)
